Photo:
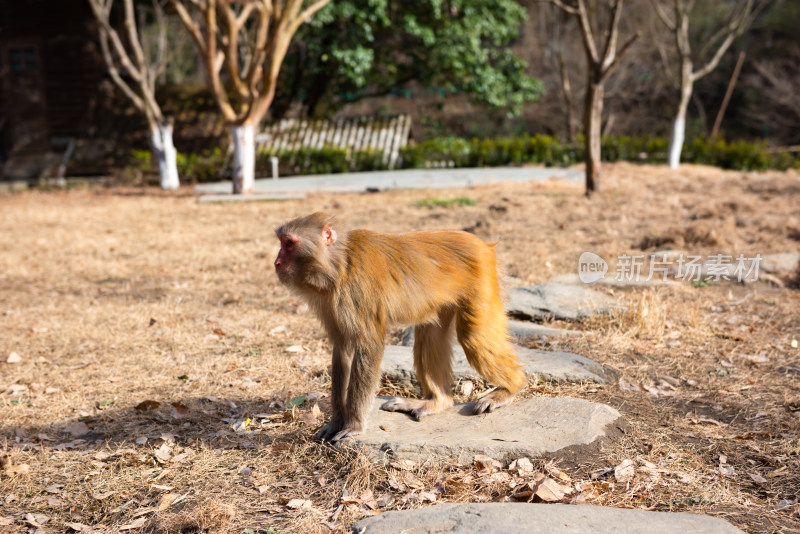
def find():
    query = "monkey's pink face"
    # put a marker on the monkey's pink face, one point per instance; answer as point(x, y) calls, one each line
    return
point(286, 256)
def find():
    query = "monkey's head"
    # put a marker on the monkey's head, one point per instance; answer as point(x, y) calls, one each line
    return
point(307, 257)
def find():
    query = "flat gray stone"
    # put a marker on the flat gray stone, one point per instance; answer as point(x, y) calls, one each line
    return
point(398, 365)
point(611, 281)
point(559, 301)
point(513, 518)
point(253, 197)
point(519, 330)
point(780, 263)
point(527, 428)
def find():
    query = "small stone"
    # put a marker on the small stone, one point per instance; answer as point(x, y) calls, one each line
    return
point(13, 358)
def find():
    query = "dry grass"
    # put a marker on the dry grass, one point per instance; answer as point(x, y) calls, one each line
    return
point(108, 297)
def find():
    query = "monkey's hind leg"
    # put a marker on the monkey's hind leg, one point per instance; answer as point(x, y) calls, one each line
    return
point(433, 354)
point(483, 334)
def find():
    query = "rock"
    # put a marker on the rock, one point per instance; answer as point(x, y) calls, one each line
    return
point(398, 365)
point(511, 518)
point(786, 262)
point(523, 429)
point(611, 281)
point(519, 330)
point(559, 301)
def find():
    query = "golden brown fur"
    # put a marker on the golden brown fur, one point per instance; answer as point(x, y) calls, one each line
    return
point(365, 282)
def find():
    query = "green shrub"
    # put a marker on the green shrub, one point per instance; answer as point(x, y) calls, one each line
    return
point(437, 202)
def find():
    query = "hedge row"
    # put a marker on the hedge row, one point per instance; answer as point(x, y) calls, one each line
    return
point(459, 152)
point(547, 150)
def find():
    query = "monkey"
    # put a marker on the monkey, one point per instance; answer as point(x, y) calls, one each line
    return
point(360, 283)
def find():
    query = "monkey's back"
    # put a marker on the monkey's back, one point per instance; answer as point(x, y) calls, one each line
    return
point(410, 277)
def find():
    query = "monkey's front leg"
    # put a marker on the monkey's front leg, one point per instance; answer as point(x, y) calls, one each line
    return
point(364, 376)
point(340, 369)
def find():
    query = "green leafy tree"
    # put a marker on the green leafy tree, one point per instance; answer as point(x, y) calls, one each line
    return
point(359, 48)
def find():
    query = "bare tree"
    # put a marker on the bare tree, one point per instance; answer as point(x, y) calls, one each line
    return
point(708, 54)
point(601, 58)
point(135, 72)
point(249, 38)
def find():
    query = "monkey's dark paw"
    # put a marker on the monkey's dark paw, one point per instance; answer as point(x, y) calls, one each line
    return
point(483, 406)
point(346, 433)
point(327, 432)
point(491, 401)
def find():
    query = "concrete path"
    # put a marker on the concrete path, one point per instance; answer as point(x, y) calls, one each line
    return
point(356, 182)
point(523, 429)
point(513, 518)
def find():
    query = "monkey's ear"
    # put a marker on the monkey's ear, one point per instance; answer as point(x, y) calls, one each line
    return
point(329, 233)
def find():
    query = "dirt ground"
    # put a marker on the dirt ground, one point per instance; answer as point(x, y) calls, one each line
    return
point(157, 378)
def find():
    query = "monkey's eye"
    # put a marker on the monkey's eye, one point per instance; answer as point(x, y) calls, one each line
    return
point(289, 243)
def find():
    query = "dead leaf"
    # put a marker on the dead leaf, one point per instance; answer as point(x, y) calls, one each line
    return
point(727, 470)
point(146, 406)
point(523, 465)
point(166, 501)
point(54, 488)
point(756, 358)
point(466, 387)
point(299, 504)
point(163, 453)
point(624, 471)
point(138, 523)
point(486, 463)
point(13, 358)
point(758, 478)
point(549, 490)
point(77, 430)
point(5, 521)
point(308, 418)
point(36, 520)
point(220, 332)
point(279, 329)
point(385, 428)
point(726, 362)
point(103, 495)
point(179, 411)
point(295, 348)
point(404, 465)
point(78, 527)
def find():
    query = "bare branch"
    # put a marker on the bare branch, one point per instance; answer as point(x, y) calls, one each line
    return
point(610, 50)
point(561, 5)
point(714, 61)
point(659, 9)
point(607, 70)
point(307, 14)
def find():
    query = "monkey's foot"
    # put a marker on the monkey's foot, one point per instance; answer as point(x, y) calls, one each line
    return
point(417, 408)
point(492, 400)
point(334, 432)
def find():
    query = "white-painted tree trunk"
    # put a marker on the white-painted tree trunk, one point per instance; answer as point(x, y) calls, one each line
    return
point(679, 123)
point(166, 156)
point(244, 158)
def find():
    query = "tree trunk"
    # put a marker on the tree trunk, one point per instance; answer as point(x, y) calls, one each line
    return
point(593, 117)
point(244, 158)
point(166, 156)
point(679, 124)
